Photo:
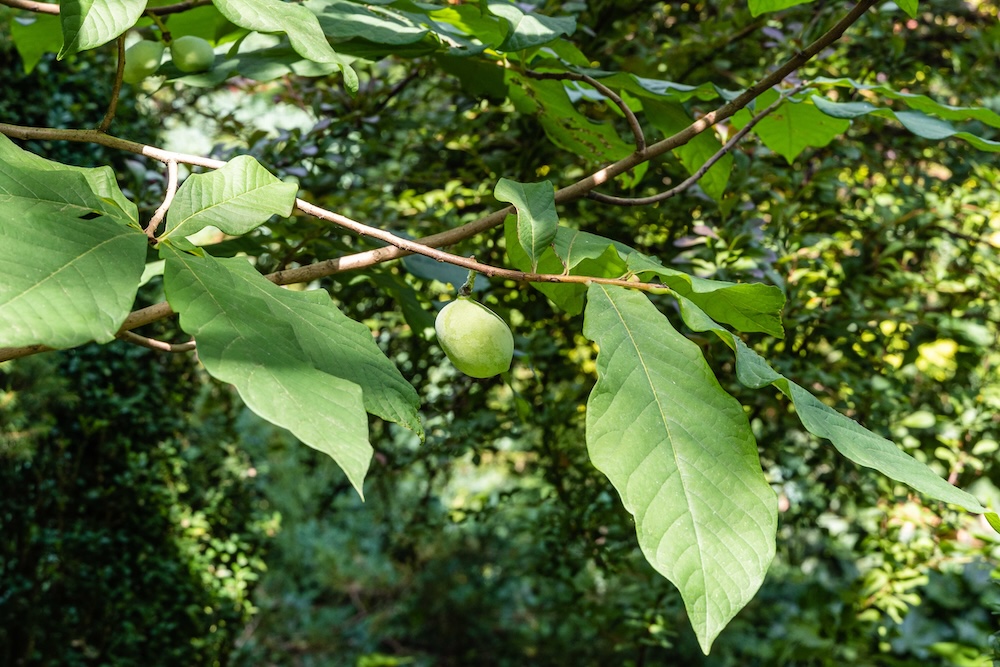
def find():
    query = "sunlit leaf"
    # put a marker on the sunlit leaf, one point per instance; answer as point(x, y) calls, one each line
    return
point(679, 451)
point(792, 127)
point(87, 24)
point(537, 219)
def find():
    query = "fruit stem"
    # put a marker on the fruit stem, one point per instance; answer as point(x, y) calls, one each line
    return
point(466, 289)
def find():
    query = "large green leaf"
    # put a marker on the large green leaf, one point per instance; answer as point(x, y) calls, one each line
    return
point(70, 253)
point(238, 197)
point(679, 451)
point(529, 30)
point(537, 219)
point(27, 181)
point(295, 359)
point(746, 306)
point(87, 24)
point(65, 280)
point(917, 122)
point(670, 119)
point(793, 126)
point(301, 25)
point(850, 438)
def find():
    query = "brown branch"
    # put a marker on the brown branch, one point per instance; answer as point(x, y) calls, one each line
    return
point(154, 344)
point(633, 122)
point(703, 169)
point(116, 89)
point(426, 246)
point(168, 199)
point(50, 8)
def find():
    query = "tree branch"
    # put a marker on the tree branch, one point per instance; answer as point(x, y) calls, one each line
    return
point(154, 344)
point(116, 89)
point(703, 169)
point(427, 246)
point(168, 198)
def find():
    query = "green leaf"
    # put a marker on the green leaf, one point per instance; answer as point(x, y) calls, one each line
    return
point(64, 280)
point(87, 24)
point(566, 127)
point(994, 520)
point(679, 451)
point(850, 438)
point(27, 181)
point(301, 25)
point(792, 127)
point(758, 7)
point(908, 6)
point(537, 219)
point(35, 37)
point(346, 20)
point(670, 119)
point(529, 30)
point(919, 123)
point(746, 306)
point(236, 198)
point(295, 359)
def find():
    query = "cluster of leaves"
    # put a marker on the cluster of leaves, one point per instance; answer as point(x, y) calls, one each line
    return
point(677, 446)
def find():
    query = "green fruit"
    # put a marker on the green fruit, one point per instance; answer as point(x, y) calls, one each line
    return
point(141, 60)
point(192, 54)
point(476, 340)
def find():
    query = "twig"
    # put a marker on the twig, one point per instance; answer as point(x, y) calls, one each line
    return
point(633, 122)
point(154, 344)
point(703, 169)
point(50, 8)
point(168, 198)
point(368, 258)
point(116, 89)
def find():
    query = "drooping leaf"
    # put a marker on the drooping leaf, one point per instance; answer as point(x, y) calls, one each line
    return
point(917, 122)
point(527, 30)
point(35, 37)
point(537, 219)
point(792, 127)
point(87, 24)
point(679, 451)
point(854, 441)
point(747, 306)
point(236, 198)
point(670, 119)
point(301, 25)
point(758, 7)
point(295, 359)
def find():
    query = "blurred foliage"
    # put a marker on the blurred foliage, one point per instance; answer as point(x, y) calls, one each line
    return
point(131, 530)
point(496, 542)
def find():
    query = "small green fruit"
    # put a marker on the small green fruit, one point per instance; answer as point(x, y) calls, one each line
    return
point(141, 60)
point(192, 54)
point(476, 340)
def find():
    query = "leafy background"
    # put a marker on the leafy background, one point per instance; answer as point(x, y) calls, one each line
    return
point(495, 541)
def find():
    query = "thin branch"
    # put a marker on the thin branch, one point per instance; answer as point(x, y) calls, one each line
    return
point(703, 169)
point(154, 344)
point(368, 258)
point(633, 122)
point(168, 198)
point(116, 89)
point(50, 8)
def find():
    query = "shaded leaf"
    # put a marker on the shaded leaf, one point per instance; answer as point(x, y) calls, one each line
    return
point(679, 451)
point(758, 7)
point(343, 20)
point(670, 119)
point(35, 37)
point(528, 30)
